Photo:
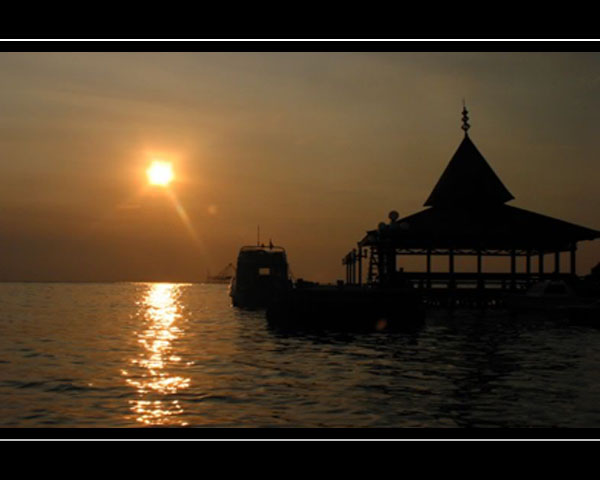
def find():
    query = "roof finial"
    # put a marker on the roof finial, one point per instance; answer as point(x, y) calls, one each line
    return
point(465, 119)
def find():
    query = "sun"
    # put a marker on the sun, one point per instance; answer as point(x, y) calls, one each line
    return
point(160, 173)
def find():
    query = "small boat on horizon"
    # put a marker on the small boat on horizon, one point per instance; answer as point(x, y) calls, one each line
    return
point(223, 277)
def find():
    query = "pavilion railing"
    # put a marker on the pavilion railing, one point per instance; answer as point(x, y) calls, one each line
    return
point(468, 280)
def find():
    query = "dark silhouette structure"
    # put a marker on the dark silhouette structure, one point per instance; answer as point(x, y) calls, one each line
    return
point(224, 276)
point(467, 215)
point(261, 272)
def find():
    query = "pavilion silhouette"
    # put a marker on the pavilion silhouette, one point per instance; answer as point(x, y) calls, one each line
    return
point(467, 215)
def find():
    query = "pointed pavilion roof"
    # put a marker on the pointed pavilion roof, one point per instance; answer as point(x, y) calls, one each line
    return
point(469, 211)
point(468, 178)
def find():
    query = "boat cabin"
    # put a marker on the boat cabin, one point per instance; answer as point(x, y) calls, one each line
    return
point(259, 273)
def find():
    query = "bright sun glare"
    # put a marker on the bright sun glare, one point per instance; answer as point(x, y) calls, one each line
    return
point(160, 173)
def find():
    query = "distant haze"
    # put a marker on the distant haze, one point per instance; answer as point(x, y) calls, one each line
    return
point(317, 148)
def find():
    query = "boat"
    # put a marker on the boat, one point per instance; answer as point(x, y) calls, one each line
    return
point(346, 308)
point(223, 277)
point(261, 271)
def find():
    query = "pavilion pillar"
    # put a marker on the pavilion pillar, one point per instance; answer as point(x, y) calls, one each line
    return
point(528, 266)
point(347, 271)
point(360, 257)
point(354, 266)
point(557, 262)
point(541, 263)
point(345, 261)
point(513, 269)
point(428, 268)
point(479, 269)
point(573, 259)
point(451, 268)
point(372, 259)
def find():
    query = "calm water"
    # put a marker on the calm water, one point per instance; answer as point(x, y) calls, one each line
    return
point(132, 354)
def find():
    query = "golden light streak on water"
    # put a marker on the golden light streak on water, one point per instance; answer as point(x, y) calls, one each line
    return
point(160, 312)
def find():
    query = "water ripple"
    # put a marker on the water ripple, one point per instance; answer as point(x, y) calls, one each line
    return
point(180, 355)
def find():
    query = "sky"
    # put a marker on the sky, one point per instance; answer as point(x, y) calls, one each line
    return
point(316, 148)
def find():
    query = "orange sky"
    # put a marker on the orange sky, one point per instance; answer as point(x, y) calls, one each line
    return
point(315, 147)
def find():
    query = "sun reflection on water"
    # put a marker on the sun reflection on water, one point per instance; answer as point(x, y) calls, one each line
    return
point(152, 375)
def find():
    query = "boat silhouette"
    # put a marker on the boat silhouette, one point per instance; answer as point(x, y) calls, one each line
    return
point(260, 273)
point(223, 277)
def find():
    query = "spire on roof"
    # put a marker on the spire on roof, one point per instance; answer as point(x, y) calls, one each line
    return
point(465, 118)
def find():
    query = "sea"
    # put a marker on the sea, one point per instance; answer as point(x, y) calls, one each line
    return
point(179, 355)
